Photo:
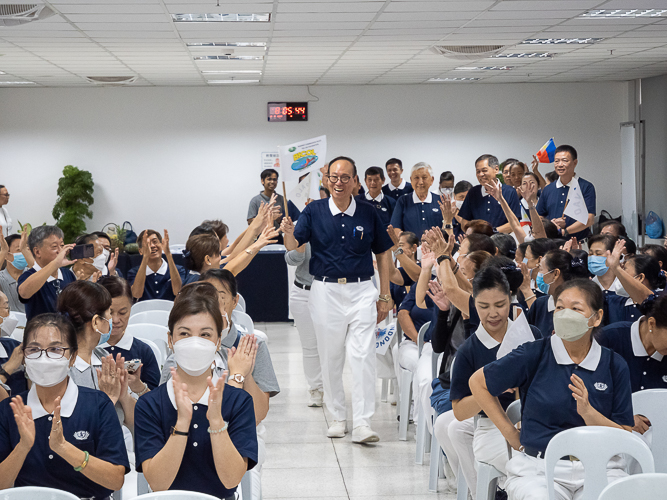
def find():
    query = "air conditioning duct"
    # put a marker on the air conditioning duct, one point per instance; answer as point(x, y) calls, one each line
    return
point(467, 52)
point(17, 14)
point(111, 80)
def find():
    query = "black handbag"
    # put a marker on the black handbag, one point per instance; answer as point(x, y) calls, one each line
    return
point(130, 235)
point(602, 218)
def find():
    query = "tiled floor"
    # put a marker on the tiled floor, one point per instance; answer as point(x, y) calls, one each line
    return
point(303, 463)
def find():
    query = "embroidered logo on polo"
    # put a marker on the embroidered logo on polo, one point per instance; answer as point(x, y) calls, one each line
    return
point(360, 228)
point(81, 435)
point(384, 209)
point(600, 386)
point(435, 209)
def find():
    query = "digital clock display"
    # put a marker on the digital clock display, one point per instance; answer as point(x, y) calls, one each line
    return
point(288, 111)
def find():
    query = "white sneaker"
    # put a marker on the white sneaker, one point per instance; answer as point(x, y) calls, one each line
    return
point(364, 434)
point(337, 429)
point(316, 397)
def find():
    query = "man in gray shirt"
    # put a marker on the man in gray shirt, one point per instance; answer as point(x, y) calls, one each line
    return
point(270, 182)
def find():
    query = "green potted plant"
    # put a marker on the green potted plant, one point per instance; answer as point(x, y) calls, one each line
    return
point(75, 196)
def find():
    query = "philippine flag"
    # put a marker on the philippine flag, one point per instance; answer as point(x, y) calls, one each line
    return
point(547, 152)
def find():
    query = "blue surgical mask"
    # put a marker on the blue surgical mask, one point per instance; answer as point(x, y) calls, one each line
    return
point(541, 285)
point(525, 260)
point(19, 261)
point(597, 264)
point(104, 337)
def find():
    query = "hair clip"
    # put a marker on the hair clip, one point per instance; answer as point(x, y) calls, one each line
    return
point(576, 262)
point(186, 253)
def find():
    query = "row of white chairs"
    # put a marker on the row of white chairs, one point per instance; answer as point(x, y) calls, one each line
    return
point(167, 305)
point(38, 493)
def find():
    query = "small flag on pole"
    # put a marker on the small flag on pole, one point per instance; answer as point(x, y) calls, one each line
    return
point(547, 152)
point(575, 206)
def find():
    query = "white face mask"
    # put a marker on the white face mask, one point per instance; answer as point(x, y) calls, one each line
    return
point(459, 204)
point(8, 324)
point(571, 325)
point(194, 355)
point(47, 372)
point(100, 261)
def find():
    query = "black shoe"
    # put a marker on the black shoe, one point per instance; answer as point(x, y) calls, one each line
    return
point(501, 494)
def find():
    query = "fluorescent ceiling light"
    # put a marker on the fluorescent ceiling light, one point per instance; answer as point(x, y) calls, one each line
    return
point(232, 81)
point(483, 68)
point(621, 13)
point(228, 58)
point(18, 83)
point(452, 79)
point(558, 41)
point(217, 18)
point(227, 71)
point(526, 55)
point(2, 73)
point(227, 44)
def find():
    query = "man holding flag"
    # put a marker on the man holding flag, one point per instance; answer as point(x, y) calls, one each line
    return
point(570, 201)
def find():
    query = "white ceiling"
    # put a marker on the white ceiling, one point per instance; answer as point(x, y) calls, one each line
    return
point(312, 42)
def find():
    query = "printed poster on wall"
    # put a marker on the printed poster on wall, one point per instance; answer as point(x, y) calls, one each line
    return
point(302, 157)
point(270, 160)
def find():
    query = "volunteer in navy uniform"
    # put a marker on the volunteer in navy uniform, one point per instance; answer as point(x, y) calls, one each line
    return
point(40, 286)
point(419, 211)
point(565, 380)
point(479, 204)
point(195, 432)
point(146, 376)
point(12, 376)
point(344, 302)
point(155, 277)
point(298, 304)
point(59, 435)
point(18, 258)
point(374, 179)
point(554, 196)
point(557, 267)
point(202, 252)
point(397, 186)
point(485, 443)
point(643, 345)
point(604, 276)
point(5, 219)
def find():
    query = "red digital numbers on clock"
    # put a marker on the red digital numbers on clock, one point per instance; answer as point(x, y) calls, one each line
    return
point(287, 111)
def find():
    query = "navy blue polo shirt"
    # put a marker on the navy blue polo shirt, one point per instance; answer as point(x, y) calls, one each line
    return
point(341, 244)
point(419, 316)
point(473, 321)
point(154, 417)
point(552, 203)
point(385, 206)
point(397, 193)
point(646, 372)
point(618, 308)
point(478, 206)
point(157, 285)
point(417, 216)
point(477, 351)
point(46, 298)
point(542, 370)
point(92, 426)
point(17, 381)
point(541, 315)
point(133, 348)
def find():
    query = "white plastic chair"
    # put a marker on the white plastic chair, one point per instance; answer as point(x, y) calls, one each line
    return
point(241, 305)
point(35, 493)
point(23, 320)
point(405, 392)
point(154, 317)
point(421, 422)
point(388, 383)
point(639, 486)
point(594, 446)
point(177, 495)
point(152, 305)
point(157, 352)
point(155, 333)
point(242, 321)
point(17, 334)
point(652, 404)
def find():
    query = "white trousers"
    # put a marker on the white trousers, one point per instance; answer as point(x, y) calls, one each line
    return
point(256, 471)
point(441, 430)
point(345, 316)
point(461, 435)
point(298, 303)
point(526, 479)
point(489, 445)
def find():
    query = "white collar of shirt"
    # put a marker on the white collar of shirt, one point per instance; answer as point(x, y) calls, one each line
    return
point(349, 211)
point(638, 348)
point(400, 186)
point(37, 267)
point(484, 193)
point(487, 340)
point(124, 343)
point(67, 403)
point(590, 362)
point(415, 198)
point(3, 351)
point(202, 401)
point(162, 270)
point(379, 198)
point(559, 184)
point(82, 366)
point(615, 285)
point(629, 302)
point(551, 304)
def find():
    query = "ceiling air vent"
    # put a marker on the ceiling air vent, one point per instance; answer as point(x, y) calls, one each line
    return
point(111, 80)
point(467, 52)
point(15, 14)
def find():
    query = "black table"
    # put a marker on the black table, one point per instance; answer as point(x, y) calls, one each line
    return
point(263, 284)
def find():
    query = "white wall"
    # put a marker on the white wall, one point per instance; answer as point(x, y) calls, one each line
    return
point(170, 157)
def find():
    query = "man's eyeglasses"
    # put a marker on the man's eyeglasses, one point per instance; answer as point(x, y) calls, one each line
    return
point(343, 178)
point(51, 352)
point(5, 194)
